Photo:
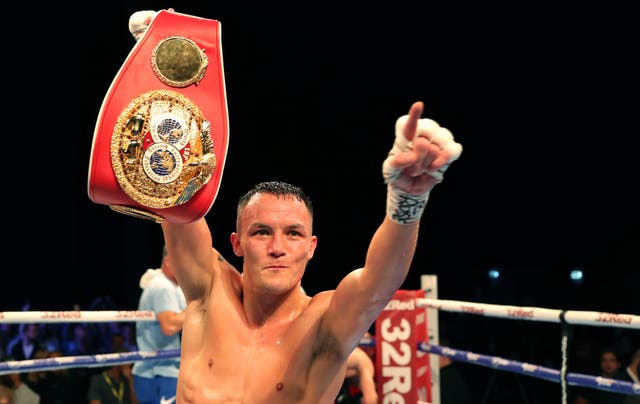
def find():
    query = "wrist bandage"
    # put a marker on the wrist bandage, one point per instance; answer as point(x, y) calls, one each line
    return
point(404, 208)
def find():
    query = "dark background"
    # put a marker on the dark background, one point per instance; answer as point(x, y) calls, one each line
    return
point(543, 98)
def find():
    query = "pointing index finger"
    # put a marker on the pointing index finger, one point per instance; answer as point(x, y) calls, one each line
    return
point(412, 122)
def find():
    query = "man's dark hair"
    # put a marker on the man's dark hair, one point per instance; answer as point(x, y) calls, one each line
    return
point(276, 188)
point(610, 349)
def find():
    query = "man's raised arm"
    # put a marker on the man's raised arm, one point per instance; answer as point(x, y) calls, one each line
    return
point(421, 153)
point(192, 256)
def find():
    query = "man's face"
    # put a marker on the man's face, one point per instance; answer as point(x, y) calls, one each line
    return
point(275, 239)
point(609, 363)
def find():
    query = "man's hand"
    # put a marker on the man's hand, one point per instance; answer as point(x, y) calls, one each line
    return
point(421, 153)
point(140, 21)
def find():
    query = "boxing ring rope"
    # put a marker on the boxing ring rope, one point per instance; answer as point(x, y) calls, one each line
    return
point(84, 361)
point(527, 369)
point(564, 317)
point(572, 317)
point(501, 311)
point(76, 316)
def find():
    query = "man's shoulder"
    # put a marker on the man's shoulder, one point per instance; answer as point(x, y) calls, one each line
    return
point(323, 296)
point(319, 302)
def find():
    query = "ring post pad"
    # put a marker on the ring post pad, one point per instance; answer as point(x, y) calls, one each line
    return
point(405, 376)
point(160, 141)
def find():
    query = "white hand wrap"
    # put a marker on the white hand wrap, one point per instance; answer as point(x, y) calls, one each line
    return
point(404, 208)
point(139, 21)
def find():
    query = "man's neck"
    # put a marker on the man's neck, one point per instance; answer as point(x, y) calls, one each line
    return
point(273, 310)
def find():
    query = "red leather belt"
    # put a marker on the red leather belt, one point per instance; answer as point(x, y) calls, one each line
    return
point(160, 141)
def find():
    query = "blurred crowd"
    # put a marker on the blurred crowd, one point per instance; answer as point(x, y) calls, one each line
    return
point(47, 340)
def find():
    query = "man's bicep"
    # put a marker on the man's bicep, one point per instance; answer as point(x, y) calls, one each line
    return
point(195, 280)
point(191, 255)
point(353, 309)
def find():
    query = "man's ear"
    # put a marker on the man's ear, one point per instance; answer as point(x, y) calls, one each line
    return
point(312, 246)
point(235, 243)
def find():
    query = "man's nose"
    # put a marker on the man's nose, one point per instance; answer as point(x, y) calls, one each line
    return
point(277, 245)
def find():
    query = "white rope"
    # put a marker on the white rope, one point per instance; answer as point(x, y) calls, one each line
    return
point(595, 318)
point(533, 313)
point(75, 316)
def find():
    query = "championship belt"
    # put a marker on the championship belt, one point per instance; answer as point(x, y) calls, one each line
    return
point(160, 141)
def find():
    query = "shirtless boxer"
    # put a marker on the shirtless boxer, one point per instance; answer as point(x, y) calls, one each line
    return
point(254, 336)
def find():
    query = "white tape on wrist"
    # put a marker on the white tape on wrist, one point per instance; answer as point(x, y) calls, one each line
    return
point(403, 208)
